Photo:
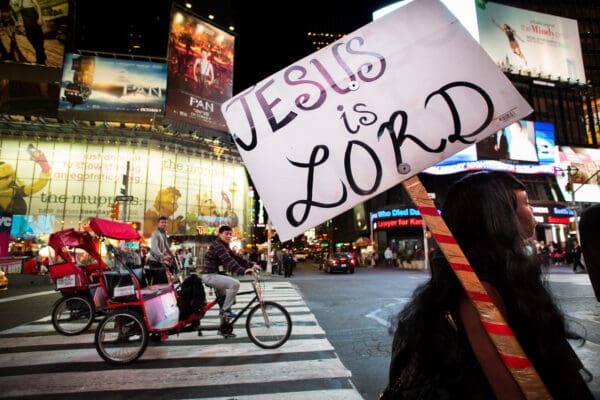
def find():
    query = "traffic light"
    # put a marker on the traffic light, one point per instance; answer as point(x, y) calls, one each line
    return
point(569, 187)
point(114, 211)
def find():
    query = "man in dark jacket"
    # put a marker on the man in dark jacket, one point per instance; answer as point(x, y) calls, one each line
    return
point(220, 259)
point(288, 263)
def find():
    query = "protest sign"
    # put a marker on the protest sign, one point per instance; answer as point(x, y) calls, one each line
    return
point(367, 112)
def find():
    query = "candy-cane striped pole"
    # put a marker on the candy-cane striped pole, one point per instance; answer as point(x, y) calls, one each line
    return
point(498, 330)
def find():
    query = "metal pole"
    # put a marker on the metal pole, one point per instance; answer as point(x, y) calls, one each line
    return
point(126, 187)
point(425, 245)
point(269, 264)
point(371, 238)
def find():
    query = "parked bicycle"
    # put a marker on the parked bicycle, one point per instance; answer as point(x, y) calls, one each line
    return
point(123, 335)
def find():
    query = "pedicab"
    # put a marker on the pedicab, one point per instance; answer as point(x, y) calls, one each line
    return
point(76, 268)
point(138, 312)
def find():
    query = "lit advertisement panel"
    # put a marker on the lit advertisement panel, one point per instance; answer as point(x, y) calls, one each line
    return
point(56, 185)
point(515, 143)
point(200, 75)
point(544, 140)
point(471, 158)
point(31, 56)
point(585, 167)
point(23, 40)
point(591, 110)
point(110, 85)
point(531, 42)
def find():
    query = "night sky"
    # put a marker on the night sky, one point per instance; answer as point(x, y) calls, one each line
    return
point(269, 35)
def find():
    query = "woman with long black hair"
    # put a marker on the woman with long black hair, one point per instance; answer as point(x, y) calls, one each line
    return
point(440, 348)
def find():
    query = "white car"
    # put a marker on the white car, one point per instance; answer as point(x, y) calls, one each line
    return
point(301, 256)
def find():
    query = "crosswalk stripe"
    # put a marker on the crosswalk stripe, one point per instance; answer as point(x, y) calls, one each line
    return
point(342, 394)
point(133, 379)
point(197, 367)
point(164, 350)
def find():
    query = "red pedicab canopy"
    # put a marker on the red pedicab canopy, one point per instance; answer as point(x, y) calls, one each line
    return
point(60, 241)
point(113, 229)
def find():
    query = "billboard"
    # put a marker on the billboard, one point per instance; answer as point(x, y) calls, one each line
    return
point(24, 40)
point(492, 152)
point(92, 86)
point(200, 74)
point(31, 56)
point(515, 143)
point(52, 185)
point(591, 110)
point(531, 42)
point(585, 170)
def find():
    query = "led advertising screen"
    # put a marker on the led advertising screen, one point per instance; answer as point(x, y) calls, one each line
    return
point(200, 75)
point(93, 84)
point(591, 110)
point(515, 143)
point(584, 165)
point(531, 42)
point(493, 154)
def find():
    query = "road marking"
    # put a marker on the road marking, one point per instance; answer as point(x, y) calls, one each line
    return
point(198, 367)
point(26, 296)
point(382, 315)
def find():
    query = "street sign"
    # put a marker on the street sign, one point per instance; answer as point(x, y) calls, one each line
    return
point(123, 198)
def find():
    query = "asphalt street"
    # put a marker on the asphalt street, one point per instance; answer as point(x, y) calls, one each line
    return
point(343, 316)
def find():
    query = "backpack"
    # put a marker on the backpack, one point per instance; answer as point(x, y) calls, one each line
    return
point(191, 296)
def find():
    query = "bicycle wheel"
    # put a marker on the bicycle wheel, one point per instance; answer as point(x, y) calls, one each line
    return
point(269, 325)
point(121, 337)
point(72, 315)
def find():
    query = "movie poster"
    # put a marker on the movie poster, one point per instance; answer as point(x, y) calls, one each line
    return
point(200, 71)
point(102, 84)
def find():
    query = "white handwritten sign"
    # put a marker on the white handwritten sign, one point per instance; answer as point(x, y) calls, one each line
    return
point(367, 112)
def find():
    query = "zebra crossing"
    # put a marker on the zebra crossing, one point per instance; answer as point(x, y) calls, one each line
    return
point(37, 362)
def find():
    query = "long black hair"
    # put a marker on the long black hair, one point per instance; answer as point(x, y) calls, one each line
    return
point(480, 211)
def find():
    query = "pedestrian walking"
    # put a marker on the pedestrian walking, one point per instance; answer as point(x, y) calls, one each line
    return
point(288, 263)
point(576, 255)
point(388, 256)
point(187, 261)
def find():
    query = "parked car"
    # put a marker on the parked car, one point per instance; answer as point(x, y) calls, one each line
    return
point(301, 256)
point(3, 281)
point(339, 262)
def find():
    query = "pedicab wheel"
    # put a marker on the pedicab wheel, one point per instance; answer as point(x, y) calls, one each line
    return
point(121, 337)
point(72, 315)
point(269, 325)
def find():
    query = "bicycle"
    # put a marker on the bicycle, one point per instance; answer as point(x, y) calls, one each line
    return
point(123, 335)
